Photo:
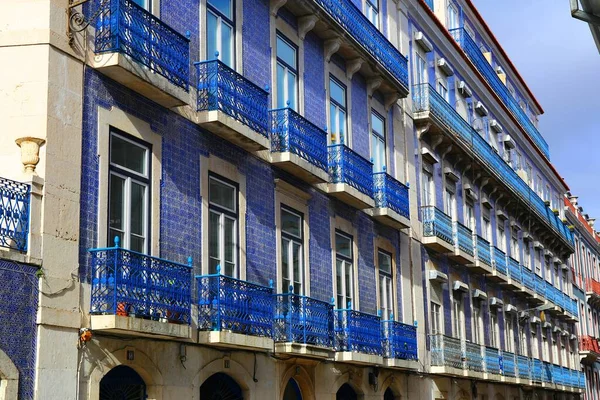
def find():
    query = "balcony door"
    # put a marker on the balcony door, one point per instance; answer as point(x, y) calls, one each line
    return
point(377, 141)
point(220, 31)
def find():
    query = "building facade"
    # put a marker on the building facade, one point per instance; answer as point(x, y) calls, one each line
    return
point(301, 199)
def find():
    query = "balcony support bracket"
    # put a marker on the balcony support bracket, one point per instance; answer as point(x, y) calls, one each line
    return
point(353, 66)
point(331, 47)
point(391, 99)
point(276, 5)
point(77, 22)
point(306, 24)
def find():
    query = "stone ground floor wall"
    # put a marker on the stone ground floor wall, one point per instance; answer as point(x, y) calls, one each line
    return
point(263, 376)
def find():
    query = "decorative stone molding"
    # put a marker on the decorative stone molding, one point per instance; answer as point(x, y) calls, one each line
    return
point(331, 47)
point(30, 150)
point(306, 24)
point(353, 66)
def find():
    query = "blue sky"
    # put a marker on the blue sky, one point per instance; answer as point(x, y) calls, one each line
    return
point(558, 59)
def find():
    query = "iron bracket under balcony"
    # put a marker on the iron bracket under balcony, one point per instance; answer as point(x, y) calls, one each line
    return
point(139, 51)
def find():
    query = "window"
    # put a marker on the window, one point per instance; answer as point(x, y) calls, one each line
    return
point(373, 12)
point(450, 200)
point(523, 348)
point(458, 317)
point(526, 255)
point(477, 334)
point(501, 239)
point(386, 286)
point(545, 348)
point(535, 352)
point(470, 215)
point(453, 18)
point(222, 226)
point(442, 88)
point(538, 261)
point(287, 73)
point(486, 228)
point(292, 252)
point(145, 4)
point(337, 111)
point(220, 31)
point(514, 246)
point(420, 69)
point(436, 311)
point(510, 334)
point(494, 328)
point(377, 141)
point(427, 186)
point(344, 270)
point(129, 181)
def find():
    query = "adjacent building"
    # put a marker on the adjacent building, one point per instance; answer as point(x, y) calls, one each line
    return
point(301, 199)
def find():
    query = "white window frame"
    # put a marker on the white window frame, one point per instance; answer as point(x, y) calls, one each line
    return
point(494, 330)
point(373, 12)
point(223, 20)
point(348, 268)
point(384, 246)
point(435, 312)
point(230, 214)
point(458, 315)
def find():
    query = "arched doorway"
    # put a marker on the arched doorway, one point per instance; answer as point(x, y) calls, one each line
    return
point(388, 395)
point(346, 393)
point(220, 386)
point(292, 391)
point(122, 383)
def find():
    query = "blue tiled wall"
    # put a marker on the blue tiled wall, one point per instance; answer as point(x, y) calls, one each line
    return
point(18, 328)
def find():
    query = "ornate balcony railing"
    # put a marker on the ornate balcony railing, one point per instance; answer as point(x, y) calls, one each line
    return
point(547, 372)
point(536, 370)
point(483, 252)
point(125, 27)
point(492, 360)
point(14, 214)
point(571, 307)
point(552, 295)
point(290, 132)
point(514, 269)
point(368, 37)
point(357, 332)
point(229, 304)
point(463, 238)
point(389, 193)
point(446, 351)
point(220, 88)
point(476, 56)
point(426, 99)
point(528, 278)
point(302, 319)
point(540, 285)
point(347, 166)
point(500, 261)
point(509, 364)
point(474, 358)
point(399, 340)
point(128, 283)
point(436, 223)
point(524, 367)
point(592, 286)
point(589, 343)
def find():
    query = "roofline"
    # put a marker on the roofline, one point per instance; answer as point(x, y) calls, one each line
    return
point(491, 90)
point(499, 46)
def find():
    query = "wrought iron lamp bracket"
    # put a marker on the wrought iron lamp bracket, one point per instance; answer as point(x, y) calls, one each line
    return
point(77, 22)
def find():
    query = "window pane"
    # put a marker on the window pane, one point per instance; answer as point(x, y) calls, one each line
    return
point(377, 124)
point(143, 3)
point(138, 208)
point(281, 98)
point(221, 194)
point(291, 223)
point(227, 44)
point(291, 90)
point(343, 245)
point(223, 6)
point(214, 240)
point(128, 155)
point(385, 263)
point(286, 52)
point(337, 92)
point(348, 275)
point(285, 266)
point(117, 193)
point(137, 243)
point(342, 127)
point(297, 264)
point(211, 36)
point(339, 283)
point(230, 236)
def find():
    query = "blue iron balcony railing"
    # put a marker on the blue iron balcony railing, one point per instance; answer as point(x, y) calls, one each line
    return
point(356, 331)
point(536, 370)
point(390, 193)
point(229, 304)
point(524, 367)
point(540, 285)
point(347, 166)
point(369, 38)
point(426, 99)
point(290, 132)
point(528, 279)
point(125, 27)
point(514, 269)
point(547, 372)
point(14, 214)
point(463, 238)
point(483, 252)
point(492, 360)
point(485, 68)
point(128, 283)
point(446, 351)
point(220, 88)
point(500, 261)
point(552, 295)
point(399, 340)
point(509, 366)
point(474, 358)
point(437, 224)
point(302, 319)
